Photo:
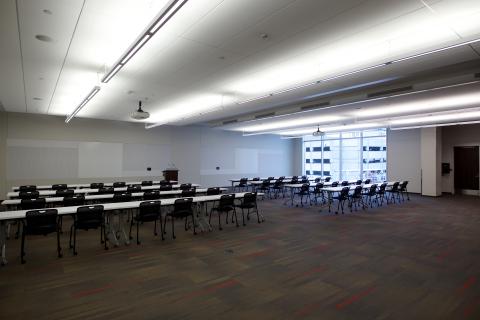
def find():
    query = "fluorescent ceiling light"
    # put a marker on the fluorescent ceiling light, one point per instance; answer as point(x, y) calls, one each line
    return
point(436, 125)
point(459, 100)
point(290, 123)
point(437, 118)
point(83, 103)
point(348, 127)
point(364, 69)
point(168, 11)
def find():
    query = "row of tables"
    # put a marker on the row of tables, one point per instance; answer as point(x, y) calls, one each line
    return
point(87, 185)
point(13, 215)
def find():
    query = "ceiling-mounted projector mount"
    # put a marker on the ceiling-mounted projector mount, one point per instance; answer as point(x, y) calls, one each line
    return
point(139, 114)
point(318, 133)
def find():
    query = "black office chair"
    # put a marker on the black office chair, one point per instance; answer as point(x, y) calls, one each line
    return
point(166, 187)
point(96, 185)
point(59, 186)
point(344, 183)
point(123, 197)
point(147, 183)
point(119, 184)
point(334, 184)
point(74, 200)
point(27, 188)
point(64, 192)
point(134, 188)
point(368, 181)
point(149, 211)
point(304, 192)
point(249, 202)
point(40, 222)
point(403, 190)
point(281, 178)
point(304, 177)
point(341, 198)
point(356, 198)
point(256, 179)
point(382, 190)
point(106, 190)
point(359, 182)
point(151, 195)
point(213, 191)
point(265, 188)
point(182, 208)
point(165, 183)
point(318, 192)
point(304, 180)
point(186, 193)
point(28, 195)
point(185, 186)
point(371, 195)
point(242, 185)
point(32, 204)
point(225, 204)
point(327, 179)
point(294, 180)
point(88, 217)
point(317, 180)
point(277, 187)
point(271, 178)
point(392, 192)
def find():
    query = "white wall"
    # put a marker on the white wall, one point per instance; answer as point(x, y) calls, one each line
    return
point(404, 157)
point(456, 136)
point(196, 151)
point(431, 150)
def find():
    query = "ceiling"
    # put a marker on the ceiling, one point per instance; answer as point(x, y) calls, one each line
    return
point(215, 54)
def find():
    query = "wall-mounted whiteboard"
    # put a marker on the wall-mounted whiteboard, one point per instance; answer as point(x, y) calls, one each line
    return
point(100, 159)
point(138, 157)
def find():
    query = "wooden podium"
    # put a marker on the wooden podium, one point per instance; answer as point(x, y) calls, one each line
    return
point(170, 174)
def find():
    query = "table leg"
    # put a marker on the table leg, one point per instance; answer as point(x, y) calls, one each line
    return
point(3, 241)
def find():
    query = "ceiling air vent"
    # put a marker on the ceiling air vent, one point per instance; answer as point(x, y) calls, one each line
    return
point(389, 92)
point(265, 115)
point(229, 121)
point(315, 106)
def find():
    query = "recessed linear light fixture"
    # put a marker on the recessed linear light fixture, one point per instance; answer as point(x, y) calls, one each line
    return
point(436, 125)
point(83, 103)
point(461, 44)
point(168, 12)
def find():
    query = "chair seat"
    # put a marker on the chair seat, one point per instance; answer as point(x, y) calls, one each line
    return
point(146, 217)
point(40, 230)
point(86, 225)
point(224, 209)
point(245, 206)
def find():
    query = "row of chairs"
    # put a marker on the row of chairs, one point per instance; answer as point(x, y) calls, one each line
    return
point(102, 190)
point(46, 221)
point(95, 185)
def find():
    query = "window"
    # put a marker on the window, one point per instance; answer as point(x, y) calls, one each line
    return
point(347, 155)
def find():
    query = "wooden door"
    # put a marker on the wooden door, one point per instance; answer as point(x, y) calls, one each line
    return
point(466, 165)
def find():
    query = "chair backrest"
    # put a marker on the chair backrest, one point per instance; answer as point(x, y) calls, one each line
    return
point(226, 200)
point(243, 181)
point(250, 199)
point(281, 178)
point(403, 186)
point(344, 183)
point(359, 182)
point(31, 204)
point(295, 177)
point(265, 183)
point(96, 185)
point(304, 177)
point(357, 192)
point(383, 186)
point(294, 180)
point(256, 179)
point(64, 192)
point(27, 188)
point(105, 190)
point(304, 180)
point(89, 216)
point(165, 183)
point(28, 194)
point(335, 184)
point(151, 195)
point(134, 188)
point(327, 179)
point(59, 186)
point(305, 187)
point(271, 178)
point(395, 186)
point(317, 180)
point(213, 191)
point(119, 184)
point(147, 183)
point(188, 192)
point(344, 193)
point(166, 187)
point(318, 187)
point(183, 206)
point(368, 181)
point(149, 209)
point(185, 186)
point(277, 183)
point(373, 190)
point(122, 197)
point(42, 221)
point(74, 200)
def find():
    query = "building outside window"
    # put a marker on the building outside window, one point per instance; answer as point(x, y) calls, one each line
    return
point(347, 155)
